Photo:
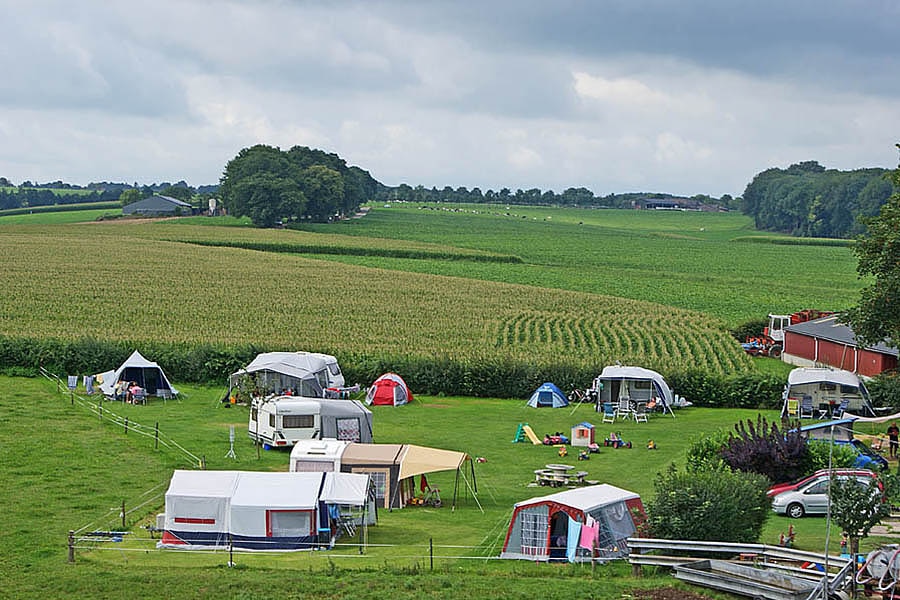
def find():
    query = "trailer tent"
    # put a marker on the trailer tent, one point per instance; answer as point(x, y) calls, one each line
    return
point(147, 374)
point(822, 390)
point(617, 382)
point(304, 373)
point(548, 395)
point(392, 467)
point(260, 510)
point(574, 525)
point(389, 390)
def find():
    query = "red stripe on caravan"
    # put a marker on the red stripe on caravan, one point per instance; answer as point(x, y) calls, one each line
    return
point(194, 521)
point(171, 539)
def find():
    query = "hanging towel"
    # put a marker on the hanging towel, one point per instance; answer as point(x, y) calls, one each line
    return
point(73, 382)
point(89, 384)
point(589, 533)
point(572, 538)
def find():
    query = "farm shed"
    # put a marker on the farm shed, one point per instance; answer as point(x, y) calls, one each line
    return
point(158, 206)
point(393, 468)
point(147, 374)
point(548, 395)
point(827, 342)
point(304, 373)
point(389, 390)
point(260, 510)
point(818, 392)
point(574, 525)
point(635, 384)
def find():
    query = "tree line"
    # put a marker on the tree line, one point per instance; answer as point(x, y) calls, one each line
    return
point(808, 200)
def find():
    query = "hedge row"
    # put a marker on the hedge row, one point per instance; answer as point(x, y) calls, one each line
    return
point(433, 376)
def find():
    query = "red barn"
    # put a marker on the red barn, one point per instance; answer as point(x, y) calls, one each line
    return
point(826, 342)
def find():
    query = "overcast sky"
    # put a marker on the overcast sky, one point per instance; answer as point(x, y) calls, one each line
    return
point(679, 96)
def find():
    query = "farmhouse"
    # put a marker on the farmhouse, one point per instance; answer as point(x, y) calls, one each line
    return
point(826, 342)
point(157, 205)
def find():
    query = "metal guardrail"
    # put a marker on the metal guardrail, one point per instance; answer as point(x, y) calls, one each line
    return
point(639, 548)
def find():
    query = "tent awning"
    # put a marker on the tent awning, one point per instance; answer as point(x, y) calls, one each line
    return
point(419, 460)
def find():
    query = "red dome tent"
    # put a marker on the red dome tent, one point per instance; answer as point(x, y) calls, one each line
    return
point(390, 390)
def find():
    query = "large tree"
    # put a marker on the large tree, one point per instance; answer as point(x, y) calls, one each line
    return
point(877, 316)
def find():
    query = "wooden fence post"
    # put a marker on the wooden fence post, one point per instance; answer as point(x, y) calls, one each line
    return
point(71, 546)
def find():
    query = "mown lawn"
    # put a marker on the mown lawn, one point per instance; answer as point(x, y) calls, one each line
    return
point(68, 469)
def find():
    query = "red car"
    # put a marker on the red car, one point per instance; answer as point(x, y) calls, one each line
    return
point(790, 486)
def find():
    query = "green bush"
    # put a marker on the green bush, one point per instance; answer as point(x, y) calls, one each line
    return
point(884, 389)
point(711, 505)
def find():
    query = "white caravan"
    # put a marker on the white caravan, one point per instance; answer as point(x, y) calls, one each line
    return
point(281, 421)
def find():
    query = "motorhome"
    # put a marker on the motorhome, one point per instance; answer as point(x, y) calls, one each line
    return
point(281, 421)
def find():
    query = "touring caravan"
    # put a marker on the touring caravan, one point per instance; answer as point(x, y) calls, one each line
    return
point(280, 421)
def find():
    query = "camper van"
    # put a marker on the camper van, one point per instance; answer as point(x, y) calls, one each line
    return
point(280, 421)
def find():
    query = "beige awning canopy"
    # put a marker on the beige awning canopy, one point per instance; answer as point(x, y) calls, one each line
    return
point(419, 459)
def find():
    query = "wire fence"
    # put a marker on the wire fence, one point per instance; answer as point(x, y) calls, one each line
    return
point(104, 413)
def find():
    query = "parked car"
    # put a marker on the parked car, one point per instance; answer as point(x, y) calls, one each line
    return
point(789, 486)
point(811, 498)
point(866, 458)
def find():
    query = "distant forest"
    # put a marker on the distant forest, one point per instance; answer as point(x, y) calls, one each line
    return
point(806, 199)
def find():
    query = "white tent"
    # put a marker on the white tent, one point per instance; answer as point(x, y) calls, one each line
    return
point(146, 373)
point(634, 383)
point(259, 510)
point(577, 524)
point(827, 389)
point(306, 373)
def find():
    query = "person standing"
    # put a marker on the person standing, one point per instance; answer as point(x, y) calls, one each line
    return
point(894, 436)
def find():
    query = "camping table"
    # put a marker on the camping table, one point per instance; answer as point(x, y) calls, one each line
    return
point(558, 475)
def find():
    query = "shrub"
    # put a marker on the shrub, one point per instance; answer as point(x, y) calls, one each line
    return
point(779, 455)
point(705, 453)
point(713, 505)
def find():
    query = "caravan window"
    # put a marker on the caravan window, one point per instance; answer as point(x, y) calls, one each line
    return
point(334, 368)
point(348, 429)
point(272, 421)
point(298, 421)
point(289, 523)
point(254, 414)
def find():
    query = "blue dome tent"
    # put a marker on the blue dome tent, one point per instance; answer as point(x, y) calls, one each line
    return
point(548, 395)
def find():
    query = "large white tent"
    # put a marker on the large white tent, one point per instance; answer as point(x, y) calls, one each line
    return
point(827, 389)
point(634, 383)
point(304, 373)
point(259, 510)
point(147, 374)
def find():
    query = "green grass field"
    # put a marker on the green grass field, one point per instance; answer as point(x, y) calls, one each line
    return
point(654, 288)
point(68, 469)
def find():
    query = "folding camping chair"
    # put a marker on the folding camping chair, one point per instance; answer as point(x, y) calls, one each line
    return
point(609, 413)
point(793, 407)
point(806, 407)
point(640, 413)
point(839, 411)
point(623, 409)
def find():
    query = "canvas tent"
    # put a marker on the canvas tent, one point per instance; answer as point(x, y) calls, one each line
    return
point(260, 510)
point(548, 395)
point(394, 467)
point(574, 525)
point(147, 374)
point(389, 390)
point(637, 384)
point(824, 390)
point(304, 373)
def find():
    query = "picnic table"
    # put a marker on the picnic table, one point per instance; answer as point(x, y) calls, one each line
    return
point(559, 475)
